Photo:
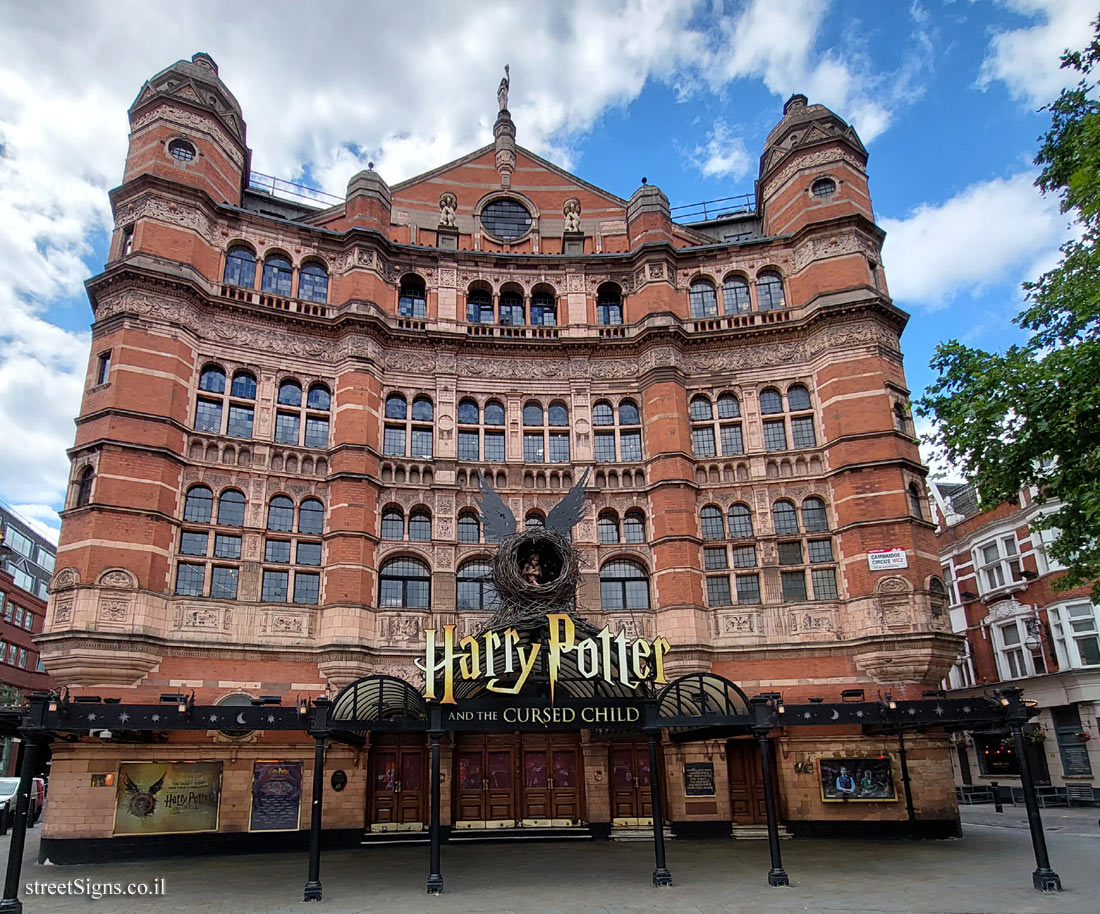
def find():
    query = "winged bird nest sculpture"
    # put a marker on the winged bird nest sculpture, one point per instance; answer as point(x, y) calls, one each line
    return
point(537, 568)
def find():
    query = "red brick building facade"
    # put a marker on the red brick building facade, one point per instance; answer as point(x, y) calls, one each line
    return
point(274, 477)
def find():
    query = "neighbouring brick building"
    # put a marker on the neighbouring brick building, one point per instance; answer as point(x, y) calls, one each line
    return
point(1020, 630)
point(273, 482)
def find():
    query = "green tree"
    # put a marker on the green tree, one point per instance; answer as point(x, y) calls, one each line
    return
point(1031, 416)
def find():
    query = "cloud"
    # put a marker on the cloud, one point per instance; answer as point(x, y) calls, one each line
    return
point(993, 232)
point(1027, 60)
point(42, 518)
point(723, 155)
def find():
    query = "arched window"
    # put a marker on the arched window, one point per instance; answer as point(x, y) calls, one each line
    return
point(532, 414)
point(634, 527)
point(404, 584)
point(609, 304)
point(412, 300)
point(607, 526)
point(901, 419)
point(740, 521)
point(557, 414)
point(702, 299)
point(290, 393)
point(494, 413)
point(277, 275)
point(420, 525)
point(511, 307)
point(628, 413)
point(479, 306)
point(735, 295)
point(701, 409)
point(544, 308)
point(468, 412)
point(534, 520)
point(311, 516)
point(711, 523)
point(769, 291)
point(280, 513)
point(629, 432)
point(197, 505)
point(603, 414)
point(231, 508)
point(469, 528)
point(475, 586)
point(396, 407)
point(313, 283)
point(798, 398)
point(623, 585)
point(319, 398)
point(728, 407)
point(814, 517)
point(240, 267)
point(244, 386)
point(702, 436)
point(84, 488)
point(212, 379)
point(422, 410)
point(916, 503)
point(771, 402)
point(393, 523)
point(784, 517)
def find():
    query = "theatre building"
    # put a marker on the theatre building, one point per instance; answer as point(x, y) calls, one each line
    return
point(275, 492)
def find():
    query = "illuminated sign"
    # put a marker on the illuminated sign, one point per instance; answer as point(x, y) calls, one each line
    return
point(492, 656)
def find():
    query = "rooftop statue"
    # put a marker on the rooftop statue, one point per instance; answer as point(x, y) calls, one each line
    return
point(502, 90)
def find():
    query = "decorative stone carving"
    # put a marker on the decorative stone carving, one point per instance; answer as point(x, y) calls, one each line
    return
point(738, 624)
point(892, 595)
point(808, 621)
point(194, 121)
point(448, 203)
point(117, 577)
point(162, 210)
point(63, 611)
point(572, 213)
point(114, 610)
point(66, 577)
point(1007, 609)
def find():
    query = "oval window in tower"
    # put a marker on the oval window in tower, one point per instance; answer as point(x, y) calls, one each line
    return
point(506, 219)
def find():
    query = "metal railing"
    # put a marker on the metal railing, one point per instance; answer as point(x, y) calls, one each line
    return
point(278, 187)
point(715, 209)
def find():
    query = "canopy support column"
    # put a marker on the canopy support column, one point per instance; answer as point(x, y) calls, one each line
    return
point(435, 879)
point(1043, 878)
point(11, 903)
point(914, 832)
point(313, 885)
point(661, 876)
point(776, 875)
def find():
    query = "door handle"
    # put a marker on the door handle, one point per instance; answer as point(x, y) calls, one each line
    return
point(397, 787)
point(485, 784)
point(549, 784)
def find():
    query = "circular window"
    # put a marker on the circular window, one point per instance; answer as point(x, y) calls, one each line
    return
point(823, 187)
point(506, 219)
point(181, 150)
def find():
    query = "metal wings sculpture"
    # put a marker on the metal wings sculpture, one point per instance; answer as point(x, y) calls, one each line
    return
point(500, 522)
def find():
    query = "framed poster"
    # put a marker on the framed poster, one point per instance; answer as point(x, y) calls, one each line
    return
point(157, 798)
point(698, 779)
point(859, 780)
point(276, 796)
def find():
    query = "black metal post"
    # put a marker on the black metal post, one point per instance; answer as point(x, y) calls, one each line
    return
point(661, 876)
point(435, 878)
point(1043, 878)
point(11, 903)
point(313, 885)
point(998, 806)
point(776, 875)
point(914, 832)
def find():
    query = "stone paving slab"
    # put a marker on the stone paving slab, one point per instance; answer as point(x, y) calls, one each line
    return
point(988, 871)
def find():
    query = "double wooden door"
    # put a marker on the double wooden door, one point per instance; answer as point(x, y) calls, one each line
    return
point(631, 794)
point(484, 782)
point(398, 784)
point(552, 790)
point(746, 782)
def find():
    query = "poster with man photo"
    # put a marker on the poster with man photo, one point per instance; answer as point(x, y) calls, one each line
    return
point(845, 780)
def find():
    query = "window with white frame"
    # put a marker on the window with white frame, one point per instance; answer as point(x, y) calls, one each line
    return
point(1044, 539)
point(998, 563)
point(1014, 658)
point(1076, 631)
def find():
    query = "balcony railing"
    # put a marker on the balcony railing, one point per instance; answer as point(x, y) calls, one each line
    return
point(723, 207)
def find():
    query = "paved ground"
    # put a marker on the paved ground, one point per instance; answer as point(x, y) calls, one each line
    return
point(988, 871)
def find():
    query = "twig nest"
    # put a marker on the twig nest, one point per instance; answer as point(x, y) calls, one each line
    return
point(556, 561)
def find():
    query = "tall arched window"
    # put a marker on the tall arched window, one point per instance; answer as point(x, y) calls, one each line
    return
point(703, 299)
point(769, 291)
point(623, 585)
point(84, 487)
point(311, 516)
point(540, 443)
point(511, 307)
point(231, 508)
point(479, 306)
point(313, 283)
point(544, 308)
point(702, 436)
point(404, 583)
point(418, 433)
point(288, 424)
point(784, 517)
point(393, 523)
point(280, 514)
point(740, 521)
point(607, 527)
point(634, 526)
point(711, 523)
point(244, 386)
point(705, 432)
point(396, 407)
point(814, 517)
point(916, 503)
point(735, 295)
point(420, 525)
point(198, 504)
point(240, 267)
point(412, 300)
point(277, 276)
point(629, 432)
point(475, 586)
point(609, 304)
point(469, 527)
point(208, 411)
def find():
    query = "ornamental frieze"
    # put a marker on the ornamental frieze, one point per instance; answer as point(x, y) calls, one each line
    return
point(194, 121)
point(149, 207)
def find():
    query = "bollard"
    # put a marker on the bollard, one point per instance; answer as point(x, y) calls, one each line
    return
point(996, 788)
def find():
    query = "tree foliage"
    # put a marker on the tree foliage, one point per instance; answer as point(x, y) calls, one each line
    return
point(1031, 416)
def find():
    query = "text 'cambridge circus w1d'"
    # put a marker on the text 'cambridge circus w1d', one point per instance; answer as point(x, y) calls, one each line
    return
point(275, 483)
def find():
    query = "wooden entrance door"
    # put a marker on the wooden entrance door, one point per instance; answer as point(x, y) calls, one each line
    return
point(746, 783)
point(398, 778)
point(551, 782)
point(631, 795)
point(483, 785)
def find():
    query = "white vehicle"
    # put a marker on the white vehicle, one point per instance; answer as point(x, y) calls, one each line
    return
point(9, 788)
